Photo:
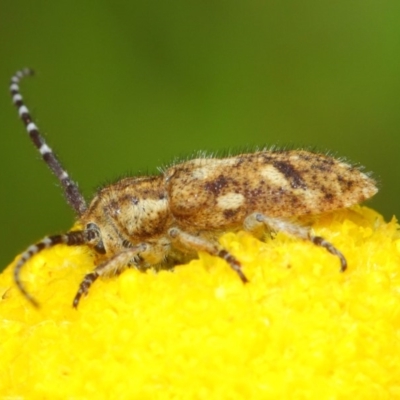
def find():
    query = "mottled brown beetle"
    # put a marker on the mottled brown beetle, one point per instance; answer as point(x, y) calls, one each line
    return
point(143, 221)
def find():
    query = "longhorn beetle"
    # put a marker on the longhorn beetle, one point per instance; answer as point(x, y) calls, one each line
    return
point(145, 220)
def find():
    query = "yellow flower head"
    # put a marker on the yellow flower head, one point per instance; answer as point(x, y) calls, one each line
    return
point(299, 329)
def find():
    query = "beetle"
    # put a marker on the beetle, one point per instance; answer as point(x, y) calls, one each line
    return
point(144, 221)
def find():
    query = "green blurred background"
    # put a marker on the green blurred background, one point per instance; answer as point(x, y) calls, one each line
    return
point(123, 87)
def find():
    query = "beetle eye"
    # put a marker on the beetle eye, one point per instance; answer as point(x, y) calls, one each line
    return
point(91, 225)
point(99, 247)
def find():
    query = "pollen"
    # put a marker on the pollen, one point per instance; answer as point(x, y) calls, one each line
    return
point(298, 329)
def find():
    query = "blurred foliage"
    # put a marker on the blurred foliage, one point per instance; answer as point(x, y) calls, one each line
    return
point(124, 87)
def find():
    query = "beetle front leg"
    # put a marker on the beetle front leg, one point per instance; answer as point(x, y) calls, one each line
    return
point(114, 264)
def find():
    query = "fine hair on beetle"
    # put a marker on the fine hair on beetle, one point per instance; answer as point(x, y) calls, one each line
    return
point(145, 221)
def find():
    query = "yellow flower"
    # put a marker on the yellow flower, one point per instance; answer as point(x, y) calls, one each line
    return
point(299, 329)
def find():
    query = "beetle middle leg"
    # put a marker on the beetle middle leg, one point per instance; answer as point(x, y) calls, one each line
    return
point(198, 243)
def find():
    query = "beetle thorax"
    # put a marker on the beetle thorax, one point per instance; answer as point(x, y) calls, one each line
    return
point(130, 211)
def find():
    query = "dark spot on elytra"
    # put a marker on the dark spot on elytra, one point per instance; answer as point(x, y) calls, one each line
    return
point(321, 167)
point(349, 184)
point(217, 185)
point(290, 173)
point(267, 159)
point(304, 156)
point(228, 214)
point(254, 193)
point(344, 183)
point(328, 197)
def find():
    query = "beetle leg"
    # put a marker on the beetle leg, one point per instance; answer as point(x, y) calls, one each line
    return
point(255, 221)
point(201, 244)
point(114, 264)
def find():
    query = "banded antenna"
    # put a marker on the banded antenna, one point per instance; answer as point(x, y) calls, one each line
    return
point(71, 192)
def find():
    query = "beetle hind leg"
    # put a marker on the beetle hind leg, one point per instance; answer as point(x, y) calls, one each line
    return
point(256, 221)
